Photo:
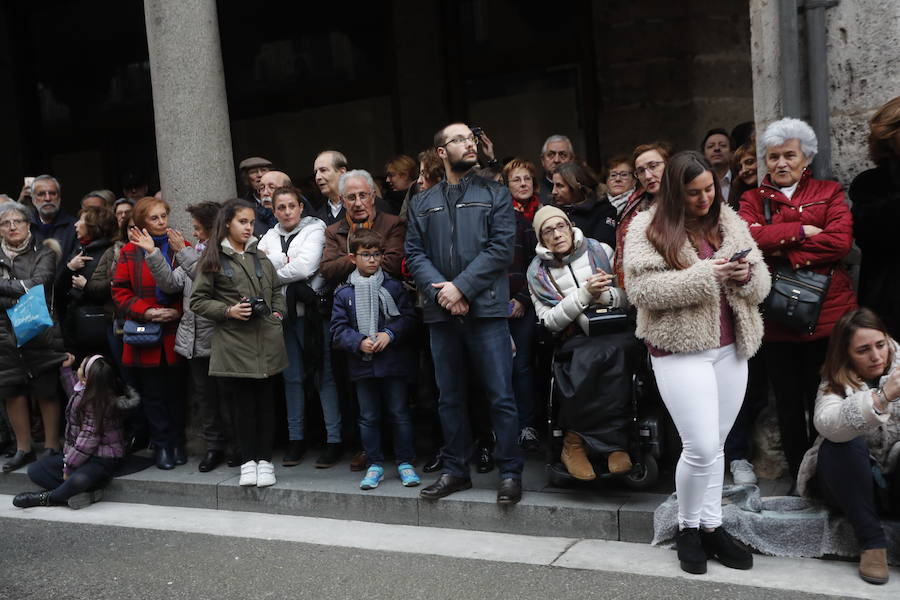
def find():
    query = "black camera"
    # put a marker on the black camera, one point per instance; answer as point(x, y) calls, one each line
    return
point(258, 306)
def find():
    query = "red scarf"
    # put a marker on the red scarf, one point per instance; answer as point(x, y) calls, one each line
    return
point(529, 208)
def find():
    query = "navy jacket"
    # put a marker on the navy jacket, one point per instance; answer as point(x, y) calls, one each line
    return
point(469, 243)
point(397, 360)
point(62, 229)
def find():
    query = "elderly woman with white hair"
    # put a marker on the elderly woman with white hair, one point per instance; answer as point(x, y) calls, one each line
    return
point(802, 225)
point(29, 371)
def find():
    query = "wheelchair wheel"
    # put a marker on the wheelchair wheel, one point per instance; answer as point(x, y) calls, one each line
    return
point(644, 475)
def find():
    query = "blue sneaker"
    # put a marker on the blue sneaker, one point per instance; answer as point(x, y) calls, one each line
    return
point(373, 477)
point(408, 475)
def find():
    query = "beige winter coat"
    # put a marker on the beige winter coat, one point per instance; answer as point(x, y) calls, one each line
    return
point(841, 418)
point(678, 309)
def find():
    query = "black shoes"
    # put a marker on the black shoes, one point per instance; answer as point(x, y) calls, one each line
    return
point(212, 460)
point(330, 456)
point(510, 491)
point(720, 545)
point(234, 460)
point(19, 460)
point(29, 499)
point(485, 463)
point(294, 453)
point(690, 551)
point(444, 486)
point(179, 453)
point(136, 444)
point(165, 459)
point(435, 464)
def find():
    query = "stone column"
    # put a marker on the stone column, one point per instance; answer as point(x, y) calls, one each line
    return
point(193, 132)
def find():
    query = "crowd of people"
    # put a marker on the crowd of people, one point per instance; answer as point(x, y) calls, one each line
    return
point(421, 297)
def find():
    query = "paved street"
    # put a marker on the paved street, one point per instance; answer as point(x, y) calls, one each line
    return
point(117, 550)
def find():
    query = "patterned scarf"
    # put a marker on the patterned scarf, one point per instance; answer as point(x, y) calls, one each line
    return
point(540, 282)
point(13, 251)
point(528, 208)
point(354, 225)
point(371, 296)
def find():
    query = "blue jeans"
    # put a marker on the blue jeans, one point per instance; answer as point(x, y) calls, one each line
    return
point(488, 343)
point(523, 331)
point(393, 391)
point(294, 395)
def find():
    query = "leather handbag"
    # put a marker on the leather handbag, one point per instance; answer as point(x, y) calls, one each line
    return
point(603, 320)
point(90, 326)
point(796, 297)
point(136, 333)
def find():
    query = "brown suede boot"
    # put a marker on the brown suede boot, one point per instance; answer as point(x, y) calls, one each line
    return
point(873, 565)
point(575, 459)
point(618, 462)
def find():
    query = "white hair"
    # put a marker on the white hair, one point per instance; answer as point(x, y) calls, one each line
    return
point(8, 207)
point(786, 129)
point(557, 138)
point(361, 173)
point(46, 178)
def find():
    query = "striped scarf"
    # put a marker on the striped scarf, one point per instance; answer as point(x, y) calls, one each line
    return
point(370, 296)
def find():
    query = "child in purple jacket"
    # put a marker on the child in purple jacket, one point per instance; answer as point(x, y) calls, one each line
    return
point(94, 438)
point(372, 322)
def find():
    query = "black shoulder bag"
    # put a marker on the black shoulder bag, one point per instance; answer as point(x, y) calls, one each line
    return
point(797, 295)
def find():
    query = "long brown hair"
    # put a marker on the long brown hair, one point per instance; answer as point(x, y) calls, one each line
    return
point(668, 229)
point(209, 261)
point(837, 371)
point(101, 392)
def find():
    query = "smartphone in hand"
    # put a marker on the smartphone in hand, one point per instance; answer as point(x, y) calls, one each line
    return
point(739, 255)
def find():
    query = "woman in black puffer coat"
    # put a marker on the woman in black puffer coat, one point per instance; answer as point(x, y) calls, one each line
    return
point(32, 370)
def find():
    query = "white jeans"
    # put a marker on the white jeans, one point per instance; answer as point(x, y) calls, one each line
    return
point(703, 392)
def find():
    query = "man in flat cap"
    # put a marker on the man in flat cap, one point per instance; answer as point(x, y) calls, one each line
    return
point(251, 171)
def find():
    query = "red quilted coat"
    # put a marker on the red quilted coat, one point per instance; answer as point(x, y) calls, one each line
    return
point(134, 291)
point(815, 202)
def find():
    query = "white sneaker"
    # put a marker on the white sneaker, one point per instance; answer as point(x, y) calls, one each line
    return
point(265, 474)
point(742, 472)
point(248, 473)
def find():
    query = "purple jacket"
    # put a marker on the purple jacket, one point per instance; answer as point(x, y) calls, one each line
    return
point(82, 439)
point(398, 359)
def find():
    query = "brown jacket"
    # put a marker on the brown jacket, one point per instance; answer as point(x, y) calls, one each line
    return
point(336, 265)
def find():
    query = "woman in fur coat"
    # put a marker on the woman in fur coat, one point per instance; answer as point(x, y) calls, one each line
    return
point(696, 278)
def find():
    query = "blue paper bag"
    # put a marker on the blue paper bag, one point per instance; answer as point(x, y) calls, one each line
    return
point(30, 317)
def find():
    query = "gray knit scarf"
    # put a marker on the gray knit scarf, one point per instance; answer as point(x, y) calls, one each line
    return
point(370, 296)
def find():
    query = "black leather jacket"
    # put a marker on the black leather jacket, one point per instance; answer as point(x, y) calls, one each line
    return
point(469, 243)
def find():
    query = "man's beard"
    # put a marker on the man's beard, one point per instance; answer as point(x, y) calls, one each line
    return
point(463, 165)
point(48, 211)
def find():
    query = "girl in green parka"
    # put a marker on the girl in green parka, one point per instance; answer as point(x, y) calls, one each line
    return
point(237, 288)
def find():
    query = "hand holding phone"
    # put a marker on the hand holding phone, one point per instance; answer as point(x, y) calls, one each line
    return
point(739, 255)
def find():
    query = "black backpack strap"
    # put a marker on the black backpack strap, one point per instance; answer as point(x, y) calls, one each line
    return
point(286, 241)
point(767, 210)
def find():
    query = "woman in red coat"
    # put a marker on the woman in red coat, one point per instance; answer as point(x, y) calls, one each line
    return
point(808, 226)
point(157, 369)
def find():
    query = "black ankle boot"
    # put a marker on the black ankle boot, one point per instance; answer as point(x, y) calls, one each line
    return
point(690, 551)
point(720, 545)
point(29, 499)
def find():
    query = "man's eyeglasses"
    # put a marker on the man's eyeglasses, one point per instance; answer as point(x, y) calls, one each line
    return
point(652, 167)
point(369, 255)
point(463, 140)
point(552, 231)
point(620, 174)
point(12, 222)
point(360, 197)
point(562, 154)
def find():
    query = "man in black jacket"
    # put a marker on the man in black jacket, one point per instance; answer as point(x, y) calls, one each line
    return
point(48, 221)
point(327, 169)
point(459, 245)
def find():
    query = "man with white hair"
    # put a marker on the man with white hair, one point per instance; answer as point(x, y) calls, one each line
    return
point(557, 150)
point(48, 221)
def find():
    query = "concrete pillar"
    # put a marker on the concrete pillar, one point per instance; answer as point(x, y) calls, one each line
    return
point(193, 133)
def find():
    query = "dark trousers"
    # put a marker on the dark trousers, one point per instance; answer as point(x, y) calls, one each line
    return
point(523, 331)
point(93, 474)
point(215, 413)
point(162, 398)
point(254, 415)
point(738, 442)
point(793, 369)
point(844, 477)
point(488, 343)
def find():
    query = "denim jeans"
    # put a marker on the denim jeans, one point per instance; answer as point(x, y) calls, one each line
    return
point(488, 343)
point(294, 395)
point(392, 391)
point(523, 331)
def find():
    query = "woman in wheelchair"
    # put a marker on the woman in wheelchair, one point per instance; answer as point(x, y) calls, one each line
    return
point(575, 297)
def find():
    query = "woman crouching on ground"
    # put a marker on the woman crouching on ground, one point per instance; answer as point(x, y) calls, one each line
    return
point(858, 418)
point(237, 288)
point(696, 278)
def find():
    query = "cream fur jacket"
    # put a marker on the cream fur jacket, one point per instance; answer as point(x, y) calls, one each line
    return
point(841, 418)
point(678, 310)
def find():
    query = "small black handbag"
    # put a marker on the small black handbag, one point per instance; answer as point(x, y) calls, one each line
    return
point(603, 320)
point(796, 298)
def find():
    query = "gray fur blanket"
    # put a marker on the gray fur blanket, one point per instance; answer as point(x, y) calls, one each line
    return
point(778, 525)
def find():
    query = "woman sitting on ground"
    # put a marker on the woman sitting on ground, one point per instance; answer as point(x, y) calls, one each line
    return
point(570, 274)
point(858, 418)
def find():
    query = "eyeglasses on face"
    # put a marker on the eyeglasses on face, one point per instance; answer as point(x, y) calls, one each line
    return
point(552, 231)
point(523, 179)
point(463, 140)
point(358, 197)
point(620, 174)
point(652, 167)
point(369, 255)
point(12, 223)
